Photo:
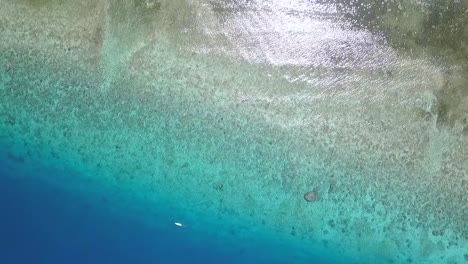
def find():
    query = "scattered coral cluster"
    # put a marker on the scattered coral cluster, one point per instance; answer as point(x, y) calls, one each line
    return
point(369, 162)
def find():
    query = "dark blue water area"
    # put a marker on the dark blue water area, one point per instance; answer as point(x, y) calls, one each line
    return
point(42, 222)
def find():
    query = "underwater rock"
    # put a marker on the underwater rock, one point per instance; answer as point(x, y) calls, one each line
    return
point(218, 186)
point(11, 121)
point(311, 196)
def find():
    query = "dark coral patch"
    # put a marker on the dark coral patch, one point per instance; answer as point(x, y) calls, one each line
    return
point(311, 196)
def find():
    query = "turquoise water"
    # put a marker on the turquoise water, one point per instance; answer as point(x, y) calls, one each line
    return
point(173, 130)
point(46, 222)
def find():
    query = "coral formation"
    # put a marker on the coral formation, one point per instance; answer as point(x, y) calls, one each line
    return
point(164, 105)
point(311, 196)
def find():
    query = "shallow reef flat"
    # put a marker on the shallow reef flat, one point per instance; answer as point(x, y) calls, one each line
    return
point(308, 124)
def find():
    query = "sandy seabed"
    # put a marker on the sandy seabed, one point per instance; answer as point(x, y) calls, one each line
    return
point(137, 97)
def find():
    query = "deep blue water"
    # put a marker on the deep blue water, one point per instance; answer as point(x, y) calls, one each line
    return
point(45, 223)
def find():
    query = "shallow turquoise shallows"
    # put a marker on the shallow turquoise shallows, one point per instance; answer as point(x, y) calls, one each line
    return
point(193, 131)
